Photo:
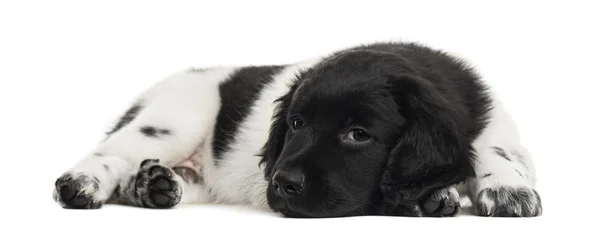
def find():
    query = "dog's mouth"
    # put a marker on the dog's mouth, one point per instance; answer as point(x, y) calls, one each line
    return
point(286, 207)
point(297, 209)
point(291, 211)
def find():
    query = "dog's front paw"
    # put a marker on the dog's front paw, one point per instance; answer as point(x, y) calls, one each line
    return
point(77, 191)
point(156, 186)
point(508, 202)
point(443, 202)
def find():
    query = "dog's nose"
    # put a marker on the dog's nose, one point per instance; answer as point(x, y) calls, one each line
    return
point(288, 183)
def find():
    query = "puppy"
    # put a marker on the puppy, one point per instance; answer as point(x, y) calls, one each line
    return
point(396, 129)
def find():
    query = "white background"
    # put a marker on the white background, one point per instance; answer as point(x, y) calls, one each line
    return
point(69, 68)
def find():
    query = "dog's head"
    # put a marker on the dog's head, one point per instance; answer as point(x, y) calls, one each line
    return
point(358, 130)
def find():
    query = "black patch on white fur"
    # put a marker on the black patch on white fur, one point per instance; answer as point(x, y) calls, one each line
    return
point(106, 167)
point(238, 94)
point(197, 70)
point(486, 175)
point(501, 152)
point(521, 159)
point(519, 173)
point(129, 115)
point(153, 131)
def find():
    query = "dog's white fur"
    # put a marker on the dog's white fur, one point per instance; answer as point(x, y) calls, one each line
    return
point(188, 102)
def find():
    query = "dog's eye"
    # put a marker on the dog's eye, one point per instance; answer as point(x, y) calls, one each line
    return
point(297, 123)
point(357, 135)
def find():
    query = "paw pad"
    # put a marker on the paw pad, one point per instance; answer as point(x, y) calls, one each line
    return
point(156, 186)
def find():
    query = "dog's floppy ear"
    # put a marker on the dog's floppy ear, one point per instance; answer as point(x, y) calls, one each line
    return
point(433, 150)
point(278, 131)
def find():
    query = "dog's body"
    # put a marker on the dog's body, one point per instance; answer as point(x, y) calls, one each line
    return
point(212, 135)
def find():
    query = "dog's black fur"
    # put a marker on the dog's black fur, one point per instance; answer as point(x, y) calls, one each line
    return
point(238, 94)
point(417, 111)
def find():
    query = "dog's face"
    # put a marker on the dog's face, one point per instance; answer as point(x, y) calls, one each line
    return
point(335, 135)
point(340, 130)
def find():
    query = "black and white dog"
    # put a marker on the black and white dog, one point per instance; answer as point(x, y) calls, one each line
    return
point(378, 129)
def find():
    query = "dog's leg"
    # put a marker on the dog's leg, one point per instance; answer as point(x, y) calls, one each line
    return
point(505, 181)
point(168, 122)
point(503, 186)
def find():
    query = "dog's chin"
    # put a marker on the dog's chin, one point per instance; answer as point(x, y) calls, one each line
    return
point(291, 212)
point(298, 210)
